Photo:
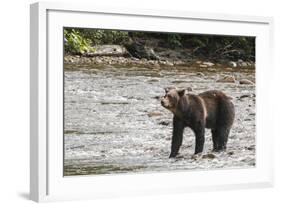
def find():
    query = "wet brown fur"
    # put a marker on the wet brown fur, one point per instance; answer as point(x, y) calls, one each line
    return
point(210, 109)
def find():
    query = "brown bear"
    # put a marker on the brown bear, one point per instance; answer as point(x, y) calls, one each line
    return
point(210, 109)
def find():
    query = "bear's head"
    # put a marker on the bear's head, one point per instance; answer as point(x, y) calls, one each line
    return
point(171, 99)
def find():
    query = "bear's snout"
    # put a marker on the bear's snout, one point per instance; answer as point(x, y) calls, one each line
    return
point(165, 102)
point(162, 101)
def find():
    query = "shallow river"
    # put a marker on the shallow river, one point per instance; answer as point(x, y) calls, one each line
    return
point(114, 122)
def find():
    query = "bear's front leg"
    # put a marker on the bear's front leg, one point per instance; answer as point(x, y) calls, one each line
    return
point(178, 127)
point(199, 138)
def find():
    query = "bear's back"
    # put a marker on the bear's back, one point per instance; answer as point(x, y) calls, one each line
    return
point(218, 105)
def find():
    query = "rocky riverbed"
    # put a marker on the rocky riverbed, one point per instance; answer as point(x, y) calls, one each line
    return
point(114, 122)
point(168, 60)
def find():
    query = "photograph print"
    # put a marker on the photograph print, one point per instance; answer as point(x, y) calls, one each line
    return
point(146, 102)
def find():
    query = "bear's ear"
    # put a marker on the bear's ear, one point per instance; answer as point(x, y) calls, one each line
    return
point(167, 89)
point(181, 92)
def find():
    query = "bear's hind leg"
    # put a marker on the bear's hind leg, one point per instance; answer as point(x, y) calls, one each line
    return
point(221, 136)
point(215, 140)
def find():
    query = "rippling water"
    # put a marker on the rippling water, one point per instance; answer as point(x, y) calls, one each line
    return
point(114, 122)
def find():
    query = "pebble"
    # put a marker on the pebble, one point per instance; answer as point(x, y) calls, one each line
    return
point(226, 79)
point(154, 114)
point(232, 64)
point(135, 59)
point(153, 80)
point(169, 63)
point(228, 68)
point(208, 64)
point(200, 74)
point(245, 96)
point(203, 66)
point(212, 69)
point(230, 153)
point(179, 81)
point(209, 156)
point(157, 97)
point(246, 82)
point(252, 147)
point(165, 123)
point(242, 63)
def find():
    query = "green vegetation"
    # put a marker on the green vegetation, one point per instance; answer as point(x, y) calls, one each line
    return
point(101, 36)
point(79, 41)
point(226, 47)
point(75, 43)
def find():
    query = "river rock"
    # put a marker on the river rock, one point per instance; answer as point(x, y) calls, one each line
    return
point(107, 50)
point(245, 96)
point(179, 81)
point(239, 62)
point(169, 63)
point(209, 156)
point(212, 69)
point(178, 62)
point(139, 50)
point(151, 62)
point(209, 64)
point(252, 147)
point(230, 153)
point(203, 66)
point(152, 80)
point(134, 59)
point(165, 123)
point(242, 63)
point(98, 60)
point(226, 79)
point(200, 74)
point(232, 64)
point(246, 82)
point(228, 68)
point(154, 114)
point(196, 156)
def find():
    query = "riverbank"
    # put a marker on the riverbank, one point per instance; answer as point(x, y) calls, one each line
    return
point(151, 56)
point(168, 62)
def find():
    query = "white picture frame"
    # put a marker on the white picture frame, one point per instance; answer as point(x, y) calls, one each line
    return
point(46, 65)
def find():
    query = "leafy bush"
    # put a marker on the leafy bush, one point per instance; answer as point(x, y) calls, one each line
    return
point(75, 43)
point(101, 36)
point(80, 40)
point(228, 47)
point(174, 40)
